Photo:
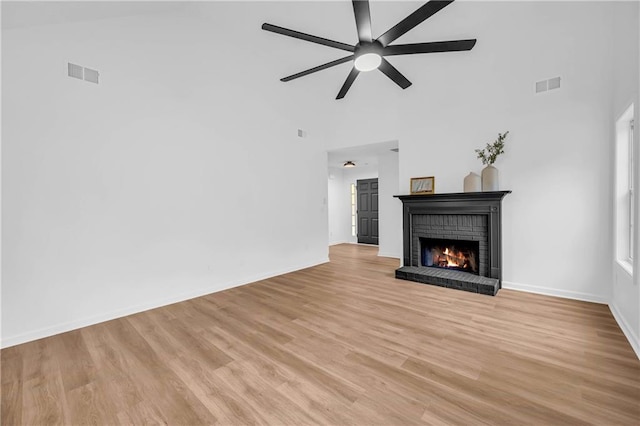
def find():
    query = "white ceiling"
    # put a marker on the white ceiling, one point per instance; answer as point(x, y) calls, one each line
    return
point(20, 14)
point(326, 18)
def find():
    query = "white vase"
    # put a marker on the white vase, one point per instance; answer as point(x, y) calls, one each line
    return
point(490, 179)
point(472, 183)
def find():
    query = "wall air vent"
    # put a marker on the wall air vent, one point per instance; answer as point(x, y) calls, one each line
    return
point(75, 71)
point(546, 85)
point(82, 73)
point(554, 83)
point(91, 75)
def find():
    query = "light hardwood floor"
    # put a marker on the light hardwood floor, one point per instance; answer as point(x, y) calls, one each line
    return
point(341, 343)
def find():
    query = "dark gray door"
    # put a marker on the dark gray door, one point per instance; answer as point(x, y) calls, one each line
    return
point(367, 190)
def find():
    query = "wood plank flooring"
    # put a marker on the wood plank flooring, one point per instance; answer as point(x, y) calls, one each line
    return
point(343, 344)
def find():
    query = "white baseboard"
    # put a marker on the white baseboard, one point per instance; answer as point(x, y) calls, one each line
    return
point(335, 243)
point(586, 297)
point(130, 310)
point(624, 326)
point(393, 255)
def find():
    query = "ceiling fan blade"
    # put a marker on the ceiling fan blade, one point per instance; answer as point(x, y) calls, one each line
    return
point(422, 13)
point(348, 82)
point(431, 47)
point(363, 20)
point(318, 68)
point(395, 75)
point(307, 37)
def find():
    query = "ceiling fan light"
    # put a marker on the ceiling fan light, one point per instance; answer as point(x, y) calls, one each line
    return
point(368, 62)
point(349, 164)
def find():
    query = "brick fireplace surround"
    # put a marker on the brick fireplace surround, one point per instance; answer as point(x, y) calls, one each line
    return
point(470, 216)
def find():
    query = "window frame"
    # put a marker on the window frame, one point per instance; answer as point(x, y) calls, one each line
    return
point(625, 170)
point(631, 174)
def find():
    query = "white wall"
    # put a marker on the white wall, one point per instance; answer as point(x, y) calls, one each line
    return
point(557, 226)
point(339, 208)
point(625, 303)
point(390, 209)
point(178, 175)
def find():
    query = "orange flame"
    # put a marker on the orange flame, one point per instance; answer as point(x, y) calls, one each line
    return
point(453, 258)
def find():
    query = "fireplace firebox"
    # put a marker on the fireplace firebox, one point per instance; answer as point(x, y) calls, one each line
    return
point(455, 255)
point(453, 240)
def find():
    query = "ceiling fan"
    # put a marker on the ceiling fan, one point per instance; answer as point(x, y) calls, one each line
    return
point(368, 53)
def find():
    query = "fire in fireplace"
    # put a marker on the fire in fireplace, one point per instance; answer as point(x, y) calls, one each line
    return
point(459, 255)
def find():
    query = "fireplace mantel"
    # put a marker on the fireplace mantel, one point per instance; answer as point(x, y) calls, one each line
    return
point(485, 206)
point(456, 196)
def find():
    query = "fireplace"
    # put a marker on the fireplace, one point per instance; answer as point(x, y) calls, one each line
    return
point(454, 255)
point(453, 240)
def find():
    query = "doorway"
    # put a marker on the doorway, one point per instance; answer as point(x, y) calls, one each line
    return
point(360, 216)
point(367, 211)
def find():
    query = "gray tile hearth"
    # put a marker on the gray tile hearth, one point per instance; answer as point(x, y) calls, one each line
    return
point(450, 279)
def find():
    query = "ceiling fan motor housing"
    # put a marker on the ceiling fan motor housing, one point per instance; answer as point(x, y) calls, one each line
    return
point(367, 56)
point(364, 48)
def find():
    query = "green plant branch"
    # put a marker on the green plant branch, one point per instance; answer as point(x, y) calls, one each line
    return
point(490, 153)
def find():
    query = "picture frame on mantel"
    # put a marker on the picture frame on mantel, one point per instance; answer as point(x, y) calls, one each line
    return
point(423, 185)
